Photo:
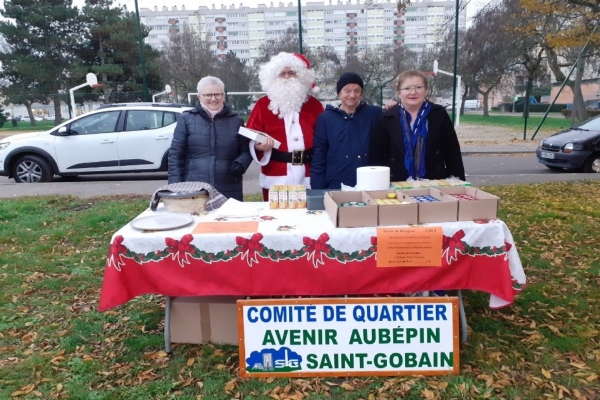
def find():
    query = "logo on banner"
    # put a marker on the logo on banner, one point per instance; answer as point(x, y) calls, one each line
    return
point(271, 360)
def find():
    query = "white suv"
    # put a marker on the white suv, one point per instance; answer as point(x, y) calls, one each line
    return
point(114, 138)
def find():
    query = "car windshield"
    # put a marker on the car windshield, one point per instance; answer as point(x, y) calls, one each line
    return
point(591, 125)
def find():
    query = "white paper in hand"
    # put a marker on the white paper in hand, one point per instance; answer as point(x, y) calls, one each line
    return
point(260, 137)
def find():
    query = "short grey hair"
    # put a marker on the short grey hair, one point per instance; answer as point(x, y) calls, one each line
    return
point(210, 80)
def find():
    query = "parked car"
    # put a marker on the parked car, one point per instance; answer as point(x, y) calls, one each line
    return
point(114, 138)
point(469, 105)
point(25, 118)
point(577, 148)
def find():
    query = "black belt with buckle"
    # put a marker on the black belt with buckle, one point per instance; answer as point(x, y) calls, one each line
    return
point(298, 157)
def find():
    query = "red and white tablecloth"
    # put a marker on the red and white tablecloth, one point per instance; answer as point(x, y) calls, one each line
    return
point(300, 252)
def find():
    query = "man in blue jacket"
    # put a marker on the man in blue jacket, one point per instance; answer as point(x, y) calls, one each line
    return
point(341, 143)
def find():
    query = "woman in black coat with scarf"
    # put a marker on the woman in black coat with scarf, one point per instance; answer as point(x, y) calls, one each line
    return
point(206, 146)
point(416, 139)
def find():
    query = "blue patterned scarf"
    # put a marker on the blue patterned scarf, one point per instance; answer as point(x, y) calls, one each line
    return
point(415, 139)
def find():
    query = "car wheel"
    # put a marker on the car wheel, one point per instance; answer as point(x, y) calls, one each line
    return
point(32, 169)
point(592, 164)
point(553, 167)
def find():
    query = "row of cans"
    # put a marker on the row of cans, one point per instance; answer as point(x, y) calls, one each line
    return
point(382, 202)
point(287, 196)
point(424, 199)
point(464, 196)
point(353, 204)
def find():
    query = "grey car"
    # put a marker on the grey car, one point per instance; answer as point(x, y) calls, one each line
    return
point(577, 148)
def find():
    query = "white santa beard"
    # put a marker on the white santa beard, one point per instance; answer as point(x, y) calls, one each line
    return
point(287, 96)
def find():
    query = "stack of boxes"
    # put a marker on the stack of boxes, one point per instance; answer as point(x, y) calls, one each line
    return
point(412, 206)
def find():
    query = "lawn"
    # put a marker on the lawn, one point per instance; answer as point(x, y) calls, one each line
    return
point(54, 344)
point(504, 120)
point(23, 126)
point(516, 121)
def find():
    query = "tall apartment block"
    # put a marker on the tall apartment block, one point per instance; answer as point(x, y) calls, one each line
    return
point(347, 26)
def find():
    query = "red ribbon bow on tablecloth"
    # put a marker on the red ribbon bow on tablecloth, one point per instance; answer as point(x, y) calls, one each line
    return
point(250, 248)
point(452, 246)
point(115, 251)
point(316, 248)
point(180, 249)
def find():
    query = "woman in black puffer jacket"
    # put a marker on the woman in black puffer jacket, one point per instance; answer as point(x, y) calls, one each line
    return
point(206, 146)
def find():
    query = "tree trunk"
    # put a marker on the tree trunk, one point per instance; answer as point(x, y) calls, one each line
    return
point(579, 112)
point(28, 105)
point(57, 112)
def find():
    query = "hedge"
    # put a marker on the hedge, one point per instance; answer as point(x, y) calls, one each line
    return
point(541, 107)
point(590, 113)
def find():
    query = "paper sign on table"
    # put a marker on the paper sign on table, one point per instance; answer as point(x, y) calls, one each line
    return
point(260, 137)
point(409, 247)
point(226, 227)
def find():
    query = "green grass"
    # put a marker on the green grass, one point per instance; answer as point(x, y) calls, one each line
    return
point(23, 126)
point(516, 121)
point(55, 344)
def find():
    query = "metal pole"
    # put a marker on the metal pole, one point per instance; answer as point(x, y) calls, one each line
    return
point(562, 86)
point(526, 106)
point(300, 26)
point(553, 101)
point(142, 58)
point(455, 61)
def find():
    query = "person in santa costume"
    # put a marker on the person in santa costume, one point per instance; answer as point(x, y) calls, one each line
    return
point(288, 113)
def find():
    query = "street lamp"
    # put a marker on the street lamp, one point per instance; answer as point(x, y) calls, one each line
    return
point(142, 59)
point(300, 25)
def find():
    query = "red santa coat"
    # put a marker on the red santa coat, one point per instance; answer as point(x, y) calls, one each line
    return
point(262, 119)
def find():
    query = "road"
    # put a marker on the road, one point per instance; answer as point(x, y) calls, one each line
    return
point(481, 170)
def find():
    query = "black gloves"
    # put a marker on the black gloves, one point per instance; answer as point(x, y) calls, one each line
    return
point(236, 169)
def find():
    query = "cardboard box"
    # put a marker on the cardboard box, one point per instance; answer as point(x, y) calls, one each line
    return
point(485, 205)
point(349, 217)
point(204, 319)
point(260, 137)
point(425, 183)
point(394, 214)
point(444, 210)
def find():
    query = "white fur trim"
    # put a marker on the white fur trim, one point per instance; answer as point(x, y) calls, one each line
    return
point(266, 182)
point(266, 155)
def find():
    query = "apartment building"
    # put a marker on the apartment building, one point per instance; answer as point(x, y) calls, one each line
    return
point(347, 26)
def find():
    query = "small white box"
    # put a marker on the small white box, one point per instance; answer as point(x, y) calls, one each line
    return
point(260, 137)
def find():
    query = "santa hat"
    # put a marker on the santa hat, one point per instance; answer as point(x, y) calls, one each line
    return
point(314, 87)
point(296, 61)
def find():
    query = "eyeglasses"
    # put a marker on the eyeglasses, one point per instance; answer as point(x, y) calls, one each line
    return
point(291, 74)
point(408, 89)
point(208, 96)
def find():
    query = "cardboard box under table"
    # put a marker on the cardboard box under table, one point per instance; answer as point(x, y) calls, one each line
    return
point(350, 216)
point(443, 210)
point(206, 319)
point(485, 205)
point(394, 214)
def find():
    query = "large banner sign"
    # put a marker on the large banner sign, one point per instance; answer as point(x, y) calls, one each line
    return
point(348, 336)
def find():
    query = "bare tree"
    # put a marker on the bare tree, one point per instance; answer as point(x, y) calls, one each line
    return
point(489, 57)
point(185, 60)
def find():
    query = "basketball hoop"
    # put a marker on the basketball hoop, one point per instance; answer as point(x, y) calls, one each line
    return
point(429, 73)
point(98, 85)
